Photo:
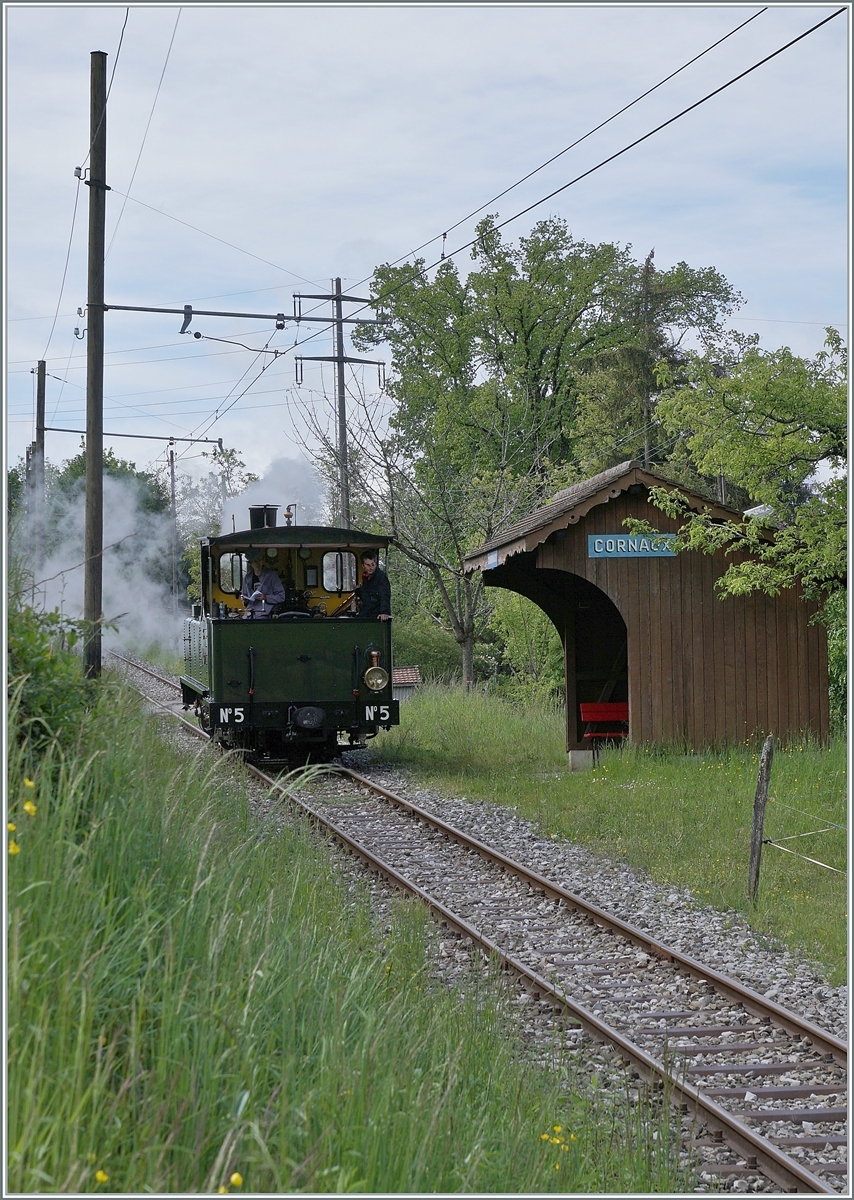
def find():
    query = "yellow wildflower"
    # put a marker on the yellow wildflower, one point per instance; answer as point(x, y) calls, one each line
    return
point(564, 1146)
point(544, 1137)
point(223, 1191)
point(101, 1176)
point(573, 1138)
point(554, 1141)
point(557, 1166)
point(28, 782)
point(11, 826)
point(91, 1157)
point(30, 808)
point(557, 1128)
point(14, 848)
point(236, 1179)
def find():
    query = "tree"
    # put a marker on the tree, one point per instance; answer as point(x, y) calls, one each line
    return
point(531, 649)
point(578, 328)
point(488, 373)
point(769, 422)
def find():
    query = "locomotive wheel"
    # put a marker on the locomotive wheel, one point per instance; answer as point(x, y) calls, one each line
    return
point(204, 720)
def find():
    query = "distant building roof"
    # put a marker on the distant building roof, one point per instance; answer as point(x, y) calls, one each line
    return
point(574, 502)
point(402, 676)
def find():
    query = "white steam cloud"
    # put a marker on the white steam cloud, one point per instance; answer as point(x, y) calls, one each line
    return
point(287, 481)
point(137, 567)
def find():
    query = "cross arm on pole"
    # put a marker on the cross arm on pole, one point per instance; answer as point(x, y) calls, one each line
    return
point(151, 437)
point(188, 312)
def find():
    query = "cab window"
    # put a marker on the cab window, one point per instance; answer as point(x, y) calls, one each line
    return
point(339, 571)
point(231, 571)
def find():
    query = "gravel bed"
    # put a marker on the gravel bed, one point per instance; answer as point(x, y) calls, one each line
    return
point(723, 940)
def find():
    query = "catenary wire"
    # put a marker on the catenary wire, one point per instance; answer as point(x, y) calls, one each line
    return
point(631, 145)
point(64, 270)
point(579, 140)
point(223, 241)
point(145, 134)
point(418, 273)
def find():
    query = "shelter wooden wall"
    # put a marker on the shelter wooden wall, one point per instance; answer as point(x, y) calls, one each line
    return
point(701, 670)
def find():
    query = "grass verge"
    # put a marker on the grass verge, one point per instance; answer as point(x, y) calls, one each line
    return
point(684, 819)
point(199, 1002)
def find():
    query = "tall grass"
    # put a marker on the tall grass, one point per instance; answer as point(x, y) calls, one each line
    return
point(198, 1003)
point(685, 819)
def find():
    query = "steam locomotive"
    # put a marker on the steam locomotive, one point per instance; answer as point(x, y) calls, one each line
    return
point(290, 685)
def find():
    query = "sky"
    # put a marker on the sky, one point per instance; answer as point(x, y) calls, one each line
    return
point(268, 149)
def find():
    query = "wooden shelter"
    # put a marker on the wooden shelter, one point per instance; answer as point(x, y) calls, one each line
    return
point(644, 625)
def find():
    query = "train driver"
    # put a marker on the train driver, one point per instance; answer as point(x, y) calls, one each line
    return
point(374, 593)
point(262, 587)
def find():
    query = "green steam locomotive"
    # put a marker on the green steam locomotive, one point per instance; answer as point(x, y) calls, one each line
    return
point(289, 684)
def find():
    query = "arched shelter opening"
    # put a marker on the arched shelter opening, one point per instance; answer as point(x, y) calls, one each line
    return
point(591, 629)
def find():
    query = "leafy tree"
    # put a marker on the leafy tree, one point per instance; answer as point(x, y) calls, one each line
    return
point(70, 481)
point(577, 329)
point(768, 421)
point(448, 466)
point(16, 488)
point(532, 654)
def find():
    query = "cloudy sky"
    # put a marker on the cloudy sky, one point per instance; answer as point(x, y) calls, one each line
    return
point(284, 145)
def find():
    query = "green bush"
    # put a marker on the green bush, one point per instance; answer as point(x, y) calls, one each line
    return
point(47, 675)
point(835, 616)
point(419, 641)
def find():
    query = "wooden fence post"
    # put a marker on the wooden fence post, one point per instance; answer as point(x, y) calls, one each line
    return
point(762, 783)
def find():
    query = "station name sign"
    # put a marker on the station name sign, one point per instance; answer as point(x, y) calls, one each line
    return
point(613, 545)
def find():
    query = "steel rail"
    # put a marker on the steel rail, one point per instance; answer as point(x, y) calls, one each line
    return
point(146, 670)
point(771, 1161)
point(795, 1025)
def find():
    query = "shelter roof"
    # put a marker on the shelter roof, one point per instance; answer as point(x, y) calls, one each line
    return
point(568, 506)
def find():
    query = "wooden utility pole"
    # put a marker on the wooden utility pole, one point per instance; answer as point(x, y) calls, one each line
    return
point(38, 469)
point(648, 269)
point(340, 359)
point(94, 540)
point(174, 533)
point(759, 803)
point(343, 468)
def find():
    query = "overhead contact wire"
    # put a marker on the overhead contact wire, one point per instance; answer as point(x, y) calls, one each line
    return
point(145, 134)
point(617, 154)
point(581, 139)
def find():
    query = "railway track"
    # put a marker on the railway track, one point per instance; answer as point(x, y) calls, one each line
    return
point(760, 1078)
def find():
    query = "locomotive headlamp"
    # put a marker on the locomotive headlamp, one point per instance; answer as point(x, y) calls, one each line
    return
point(304, 552)
point(376, 678)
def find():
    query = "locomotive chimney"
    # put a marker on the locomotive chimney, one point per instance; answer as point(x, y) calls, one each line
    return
point(262, 516)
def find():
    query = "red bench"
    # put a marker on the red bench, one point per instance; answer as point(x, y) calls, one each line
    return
point(605, 714)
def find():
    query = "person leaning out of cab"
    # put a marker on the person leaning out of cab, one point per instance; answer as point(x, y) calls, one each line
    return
point(374, 592)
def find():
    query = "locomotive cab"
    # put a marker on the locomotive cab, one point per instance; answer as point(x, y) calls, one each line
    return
point(290, 683)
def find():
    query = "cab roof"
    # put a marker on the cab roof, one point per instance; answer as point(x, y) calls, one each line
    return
point(298, 535)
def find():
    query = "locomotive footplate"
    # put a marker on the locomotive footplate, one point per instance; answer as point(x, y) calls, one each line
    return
point(307, 718)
